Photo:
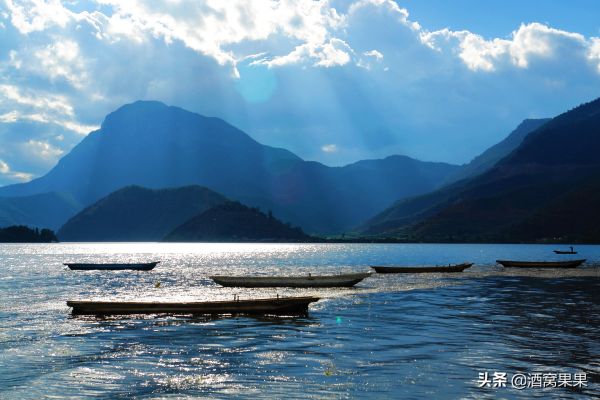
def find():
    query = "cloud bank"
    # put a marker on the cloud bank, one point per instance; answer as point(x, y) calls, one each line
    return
point(298, 74)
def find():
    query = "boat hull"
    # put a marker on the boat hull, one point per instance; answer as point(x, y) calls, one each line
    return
point(540, 264)
point(346, 280)
point(276, 306)
point(419, 270)
point(111, 266)
point(564, 252)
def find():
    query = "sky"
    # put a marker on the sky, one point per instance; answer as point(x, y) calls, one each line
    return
point(333, 81)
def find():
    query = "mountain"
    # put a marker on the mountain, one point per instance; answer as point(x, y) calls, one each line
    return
point(491, 156)
point(571, 217)
point(542, 191)
point(46, 210)
point(137, 214)
point(407, 210)
point(235, 222)
point(149, 144)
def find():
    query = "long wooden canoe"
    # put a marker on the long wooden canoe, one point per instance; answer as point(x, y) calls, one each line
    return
point(306, 281)
point(272, 306)
point(424, 269)
point(111, 266)
point(565, 251)
point(541, 264)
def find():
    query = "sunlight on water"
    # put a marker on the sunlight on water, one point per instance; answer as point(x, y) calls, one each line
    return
point(397, 334)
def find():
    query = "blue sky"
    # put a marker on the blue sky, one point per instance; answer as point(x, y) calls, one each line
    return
point(500, 18)
point(333, 81)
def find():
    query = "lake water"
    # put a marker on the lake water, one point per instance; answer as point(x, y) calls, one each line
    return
point(400, 336)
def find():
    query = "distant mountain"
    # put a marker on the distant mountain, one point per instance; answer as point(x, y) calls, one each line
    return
point(235, 222)
point(407, 210)
point(542, 191)
point(491, 156)
point(46, 210)
point(137, 214)
point(152, 145)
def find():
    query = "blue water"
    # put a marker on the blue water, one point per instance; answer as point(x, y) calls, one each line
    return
point(394, 336)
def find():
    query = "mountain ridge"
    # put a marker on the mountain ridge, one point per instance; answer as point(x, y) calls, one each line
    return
point(407, 210)
point(156, 146)
point(45, 210)
point(138, 214)
point(495, 153)
point(234, 222)
point(558, 158)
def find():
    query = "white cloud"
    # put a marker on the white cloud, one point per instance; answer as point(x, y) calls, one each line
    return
point(62, 60)
point(37, 15)
point(67, 64)
point(14, 59)
point(39, 107)
point(81, 129)
point(50, 102)
point(29, 16)
point(7, 172)
point(209, 27)
point(388, 6)
point(538, 40)
point(529, 42)
point(329, 148)
point(43, 150)
point(21, 176)
point(214, 28)
point(334, 53)
point(4, 168)
point(594, 52)
point(10, 117)
point(371, 54)
point(374, 53)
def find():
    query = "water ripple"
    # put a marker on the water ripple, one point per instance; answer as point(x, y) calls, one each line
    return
point(408, 336)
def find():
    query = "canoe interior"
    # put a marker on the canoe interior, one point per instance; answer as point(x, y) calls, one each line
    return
point(541, 264)
point(306, 281)
point(273, 306)
point(425, 269)
point(111, 266)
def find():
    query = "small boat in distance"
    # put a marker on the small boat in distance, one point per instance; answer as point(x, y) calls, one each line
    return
point(566, 251)
point(424, 269)
point(272, 306)
point(306, 281)
point(541, 264)
point(111, 266)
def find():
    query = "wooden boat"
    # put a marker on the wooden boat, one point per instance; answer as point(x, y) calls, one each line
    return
point(418, 270)
point(306, 281)
point(541, 264)
point(112, 266)
point(272, 306)
point(570, 251)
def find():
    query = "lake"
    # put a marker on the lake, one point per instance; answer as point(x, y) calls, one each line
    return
point(400, 336)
